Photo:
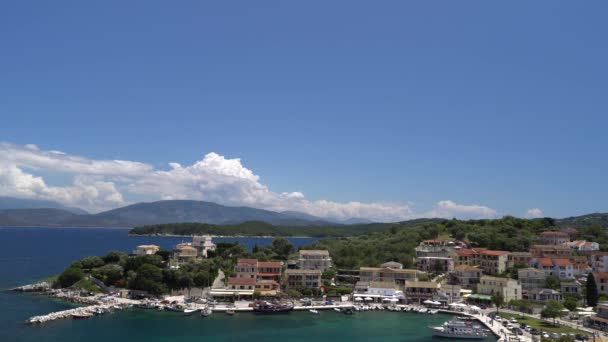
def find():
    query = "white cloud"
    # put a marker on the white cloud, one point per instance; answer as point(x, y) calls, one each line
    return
point(450, 209)
point(534, 213)
point(102, 184)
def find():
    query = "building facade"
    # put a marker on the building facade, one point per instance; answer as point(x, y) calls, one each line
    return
point(314, 260)
point(509, 288)
point(465, 276)
point(295, 278)
point(553, 238)
point(416, 292)
point(531, 278)
point(490, 261)
point(558, 267)
point(146, 250)
point(398, 276)
point(435, 264)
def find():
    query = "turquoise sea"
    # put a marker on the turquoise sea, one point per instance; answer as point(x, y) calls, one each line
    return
point(29, 254)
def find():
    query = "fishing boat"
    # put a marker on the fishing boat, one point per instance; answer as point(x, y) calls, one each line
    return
point(314, 312)
point(270, 308)
point(459, 329)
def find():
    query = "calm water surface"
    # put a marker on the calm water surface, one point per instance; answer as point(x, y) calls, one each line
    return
point(29, 254)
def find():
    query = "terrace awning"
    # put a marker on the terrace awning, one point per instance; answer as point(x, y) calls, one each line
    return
point(480, 297)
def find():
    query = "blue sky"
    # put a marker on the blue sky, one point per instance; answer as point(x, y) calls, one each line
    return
point(500, 105)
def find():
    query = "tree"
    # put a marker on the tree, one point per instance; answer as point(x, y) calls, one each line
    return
point(114, 257)
point(437, 267)
point(282, 247)
point(552, 282)
point(70, 276)
point(92, 262)
point(570, 304)
point(553, 309)
point(498, 299)
point(149, 278)
point(592, 294)
point(108, 274)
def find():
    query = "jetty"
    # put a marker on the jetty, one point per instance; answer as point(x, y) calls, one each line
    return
point(82, 312)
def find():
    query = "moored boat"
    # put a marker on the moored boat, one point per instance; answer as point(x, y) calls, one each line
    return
point(270, 308)
point(460, 330)
point(314, 312)
point(206, 312)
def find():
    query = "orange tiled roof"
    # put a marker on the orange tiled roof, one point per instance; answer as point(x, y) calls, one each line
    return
point(494, 253)
point(545, 262)
point(600, 275)
point(270, 264)
point(241, 281)
point(561, 262)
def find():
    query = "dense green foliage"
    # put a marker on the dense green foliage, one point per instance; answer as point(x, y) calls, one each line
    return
point(70, 276)
point(258, 228)
point(398, 243)
point(599, 219)
point(553, 309)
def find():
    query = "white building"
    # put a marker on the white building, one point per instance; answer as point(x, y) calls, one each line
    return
point(203, 244)
point(146, 250)
point(314, 260)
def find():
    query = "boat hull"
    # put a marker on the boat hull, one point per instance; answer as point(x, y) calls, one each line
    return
point(460, 337)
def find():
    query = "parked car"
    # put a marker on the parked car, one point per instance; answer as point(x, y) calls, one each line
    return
point(497, 318)
point(513, 320)
point(534, 331)
point(555, 335)
point(517, 331)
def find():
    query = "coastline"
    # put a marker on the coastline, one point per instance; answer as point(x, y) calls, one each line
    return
point(234, 236)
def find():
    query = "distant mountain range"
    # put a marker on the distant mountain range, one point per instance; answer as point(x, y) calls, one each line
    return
point(51, 214)
point(16, 212)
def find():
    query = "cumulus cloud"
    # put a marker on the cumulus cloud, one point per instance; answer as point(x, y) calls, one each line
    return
point(103, 184)
point(534, 213)
point(450, 209)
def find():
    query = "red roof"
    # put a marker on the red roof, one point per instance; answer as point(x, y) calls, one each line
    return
point(561, 262)
point(270, 264)
point(545, 262)
point(241, 281)
point(600, 275)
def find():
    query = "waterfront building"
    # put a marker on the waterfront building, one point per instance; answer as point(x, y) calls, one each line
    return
point(599, 321)
point(314, 260)
point(203, 244)
point(450, 293)
point(303, 278)
point(241, 283)
point(246, 268)
point(398, 276)
point(519, 259)
point(416, 292)
point(531, 278)
point(550, 251)
point(465, 276)
point(543, 295)
point(384, 288)
point(437, 248)
point(509, 288)
point(553, 238)
point(490, 261)
point(269, 270)
point(558, 267)
point(146, 250)
point(267, 287)
point(433, 264)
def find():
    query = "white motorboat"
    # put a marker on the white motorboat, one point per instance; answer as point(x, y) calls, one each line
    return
point(206, 312)
point(314, 312)
point(337, 310)
point(460, 330)
point(190, 311)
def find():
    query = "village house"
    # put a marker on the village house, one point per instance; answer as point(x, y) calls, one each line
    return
point(450, 293)
point(509, 288)
point(314, 260)
point(571, 287)
point(550, 251)
point(560, 268)
point(203, 244)
point(265, 276)
point(553, 238)
point(437, 248)
point(465, 276)
point(598, 261)
point(490, 261)
point(398, 276)
point(519, 259)
point(583, 246)
point(146, 250)
point(296, 278)
point(434, 264)
point(416, 292)
point(601, 280)
point(383, 288)
point(246, 268)
point(531, 278)
point(543, 295)
point(184, 252)
point(236, 283)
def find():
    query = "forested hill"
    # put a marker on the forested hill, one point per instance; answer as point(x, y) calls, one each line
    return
point(398, 242)
point(600, 219)
point(258, 228)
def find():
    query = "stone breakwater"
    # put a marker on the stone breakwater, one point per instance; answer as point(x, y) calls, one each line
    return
point(83, 312)
point(38, 287)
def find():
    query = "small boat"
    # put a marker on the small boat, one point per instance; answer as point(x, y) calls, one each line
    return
point(347, 311)
point(337, 310)
point(190, 311)
point(230, 312)
point(206, 312)
point(433, 312)
point(314, 312)
point(269, 308)
point(175, 307)
point(82, 315)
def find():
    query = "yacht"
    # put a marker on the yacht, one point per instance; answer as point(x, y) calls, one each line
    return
point(460, 329)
